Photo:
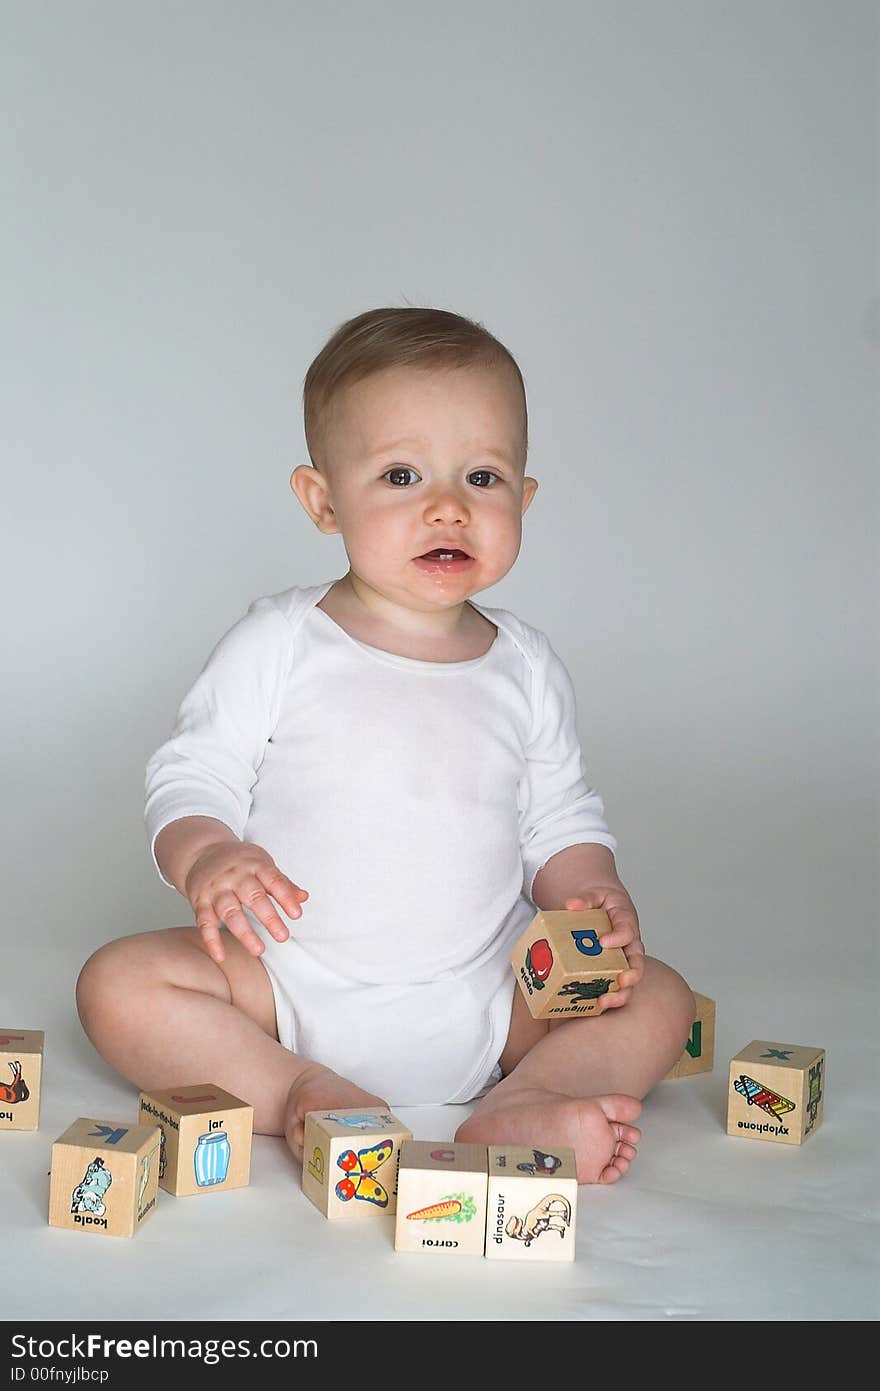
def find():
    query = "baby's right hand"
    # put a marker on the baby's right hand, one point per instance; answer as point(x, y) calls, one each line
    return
point(229, 876)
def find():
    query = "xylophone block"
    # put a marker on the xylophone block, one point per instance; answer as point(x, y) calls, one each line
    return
point(699, 1051)
point(560, 967)
point(351, 1159)
point(104, 1177)
point(776, 1092)
point(21, 1072)
point(206, 1138)
point(532, 1204)
point(441, 1198)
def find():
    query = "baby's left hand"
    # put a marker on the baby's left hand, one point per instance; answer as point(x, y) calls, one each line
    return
point(616, 902)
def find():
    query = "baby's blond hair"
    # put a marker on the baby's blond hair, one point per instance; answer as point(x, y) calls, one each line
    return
point(429, 339)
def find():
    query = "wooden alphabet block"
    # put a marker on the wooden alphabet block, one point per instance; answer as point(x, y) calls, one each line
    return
point(21, 1072)
point(104, 1177)
point(532, 1204)
point(206, 1138)
point(441, 1198)
point(351, 1159)
point(699, 1051)
point(776, 1092)
point(560, 966)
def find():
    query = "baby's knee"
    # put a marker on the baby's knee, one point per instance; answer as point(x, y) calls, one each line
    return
point(106, 982)
point(672, 997)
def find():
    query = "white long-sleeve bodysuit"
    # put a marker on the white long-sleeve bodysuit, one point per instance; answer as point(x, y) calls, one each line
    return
point(415, 801)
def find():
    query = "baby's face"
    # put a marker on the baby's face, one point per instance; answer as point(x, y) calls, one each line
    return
point(420, 461)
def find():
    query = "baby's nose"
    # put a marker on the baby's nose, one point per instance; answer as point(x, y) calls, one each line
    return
point(446, 506)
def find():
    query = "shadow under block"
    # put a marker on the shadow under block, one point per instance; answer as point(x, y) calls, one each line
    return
point(699, 1051)
point(560, 967)
point(104, 1177)
point(206, 1138)
point(776, 1092)
point(441, 1198)
point(532, 1204)
point(351, 1159)
point(21, 1072)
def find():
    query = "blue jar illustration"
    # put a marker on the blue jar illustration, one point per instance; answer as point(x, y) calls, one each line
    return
point(211, 1158)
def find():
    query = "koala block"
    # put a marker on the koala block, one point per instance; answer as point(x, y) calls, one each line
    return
point(560, 967)
point(441, 1198)
point(532, 1204)
point(206, 1138)
point(776, 1092)
point(351, 1159)
point(21, 1072)
point(699, 1051)
point(104, 1177)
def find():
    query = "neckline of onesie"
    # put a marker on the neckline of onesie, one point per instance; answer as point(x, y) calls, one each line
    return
point(395, 659)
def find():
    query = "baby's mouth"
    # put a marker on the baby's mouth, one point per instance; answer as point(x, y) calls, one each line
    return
point(440, 554)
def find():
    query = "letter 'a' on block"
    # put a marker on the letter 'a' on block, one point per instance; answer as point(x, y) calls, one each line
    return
point(532, 1204)
point(560, 967)
point(21, 1072)
point(351, 1159)
point(699, 1051)
point(104, 1177)
point(776, 1092)
point(206, 1138)
point(441, 1198)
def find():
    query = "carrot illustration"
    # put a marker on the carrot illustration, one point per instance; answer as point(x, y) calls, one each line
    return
point(436, 1211)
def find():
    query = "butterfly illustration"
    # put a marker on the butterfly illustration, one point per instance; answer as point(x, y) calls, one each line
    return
point(358, 1168)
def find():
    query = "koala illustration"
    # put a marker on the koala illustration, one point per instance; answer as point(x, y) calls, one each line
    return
point(88, 1196)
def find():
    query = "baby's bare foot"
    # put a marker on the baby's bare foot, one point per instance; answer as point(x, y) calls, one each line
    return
point(318, 1089)
point(597, 1128)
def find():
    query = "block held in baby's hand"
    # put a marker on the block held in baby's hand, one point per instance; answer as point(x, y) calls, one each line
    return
point(561, 967)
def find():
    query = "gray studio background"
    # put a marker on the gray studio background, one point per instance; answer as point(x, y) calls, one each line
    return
point(668, 213)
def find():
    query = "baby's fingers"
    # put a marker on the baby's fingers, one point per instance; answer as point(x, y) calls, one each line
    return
point(209, 927)
point(230, 911)
point(284, 891)
point(615, 999)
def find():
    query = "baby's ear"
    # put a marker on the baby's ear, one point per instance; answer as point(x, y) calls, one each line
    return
point(313, 493)
point(530, 487)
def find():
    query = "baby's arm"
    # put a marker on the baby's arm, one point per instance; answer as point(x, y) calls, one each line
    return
point(220, 875)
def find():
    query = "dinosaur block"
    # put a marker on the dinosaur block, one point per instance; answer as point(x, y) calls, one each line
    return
point(560, 967)
point(776, 1092)
point(699, 1051)
point(104, 1177)
point(206, 1138)
point(21, 1072)
point(441, 1198)
point(532, 1204)
point(350, 1161)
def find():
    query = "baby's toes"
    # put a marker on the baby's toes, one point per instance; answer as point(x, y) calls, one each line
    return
point(621, 1109)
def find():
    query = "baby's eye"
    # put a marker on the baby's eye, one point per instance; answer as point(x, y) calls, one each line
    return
point(400, 468)
point(484, 473)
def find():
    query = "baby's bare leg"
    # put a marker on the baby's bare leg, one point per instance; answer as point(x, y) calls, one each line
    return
point(580, 1082)
point(163, 1014)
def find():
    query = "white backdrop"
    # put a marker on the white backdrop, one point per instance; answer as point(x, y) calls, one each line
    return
point(667, 212)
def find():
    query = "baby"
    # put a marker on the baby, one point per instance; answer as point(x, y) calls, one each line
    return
point(373, 785)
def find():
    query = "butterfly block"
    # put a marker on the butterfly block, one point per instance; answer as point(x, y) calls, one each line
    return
point(206, 1138)
point(776, 1092)
point(532, 1204)
point(699, 1051)
point(441, 1198)
point(104, 1177)
point(21, 1071)
point(560, 967)
point(350, 1161)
